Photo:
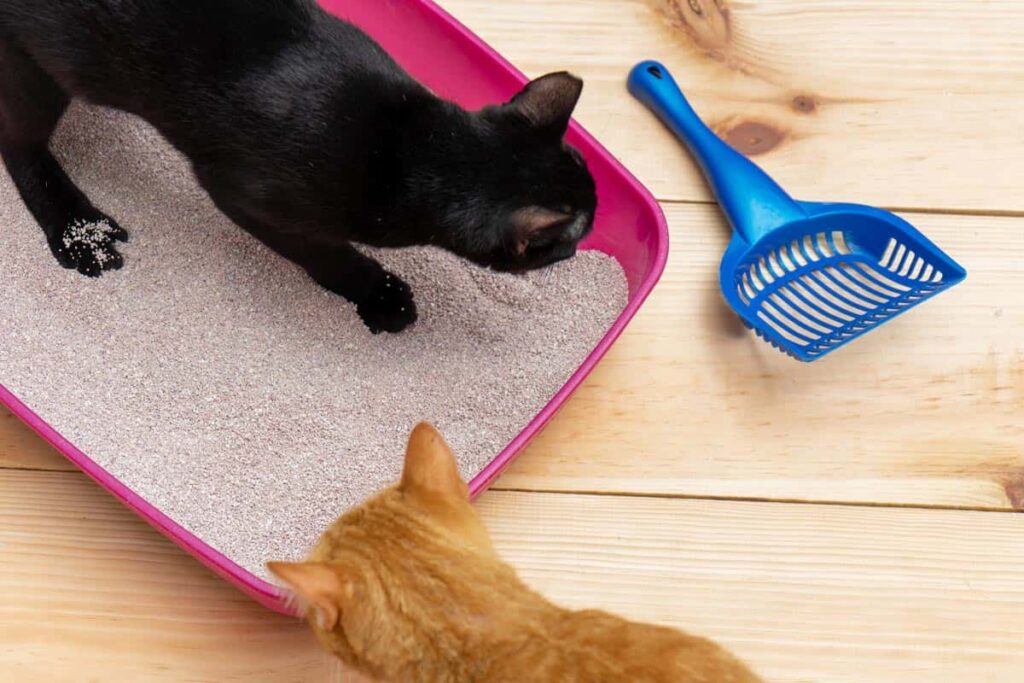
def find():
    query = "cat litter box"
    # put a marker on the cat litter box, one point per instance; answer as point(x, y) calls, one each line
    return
point(457, 65)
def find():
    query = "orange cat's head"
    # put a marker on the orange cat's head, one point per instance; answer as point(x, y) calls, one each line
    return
point(389, 575)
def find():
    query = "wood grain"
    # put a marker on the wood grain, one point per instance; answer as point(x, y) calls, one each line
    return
point(21, 448)
point(90, 592)
point(923, 411)
point(806, 593)
point(909, 103)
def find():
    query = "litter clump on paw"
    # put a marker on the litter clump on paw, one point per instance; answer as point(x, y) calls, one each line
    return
point(88, 246)
point(90, 237)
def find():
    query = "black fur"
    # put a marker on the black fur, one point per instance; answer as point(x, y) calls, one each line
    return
point(303, 131)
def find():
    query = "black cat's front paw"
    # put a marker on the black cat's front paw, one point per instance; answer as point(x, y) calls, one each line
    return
point(389, 307)
point(88, 246)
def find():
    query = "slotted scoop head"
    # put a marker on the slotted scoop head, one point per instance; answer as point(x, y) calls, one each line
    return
point(808, 277)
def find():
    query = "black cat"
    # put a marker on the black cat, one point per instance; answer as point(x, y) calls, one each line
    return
point(303, 131)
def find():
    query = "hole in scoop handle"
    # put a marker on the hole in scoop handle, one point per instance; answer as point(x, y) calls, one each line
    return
point(754, 203)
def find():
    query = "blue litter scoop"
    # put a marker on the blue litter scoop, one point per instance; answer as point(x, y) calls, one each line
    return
point(808, 277)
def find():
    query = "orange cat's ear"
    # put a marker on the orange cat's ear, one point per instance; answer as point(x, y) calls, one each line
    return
point(320, 585)
point(430, 466)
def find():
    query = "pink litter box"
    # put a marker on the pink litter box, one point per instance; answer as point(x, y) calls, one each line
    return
point(457, 65)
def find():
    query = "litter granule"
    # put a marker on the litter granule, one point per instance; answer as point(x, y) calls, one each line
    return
point(89, 237)
point(217, 381)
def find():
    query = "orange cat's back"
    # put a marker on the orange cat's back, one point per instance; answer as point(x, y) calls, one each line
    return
point(596, 647)
point(652, 654)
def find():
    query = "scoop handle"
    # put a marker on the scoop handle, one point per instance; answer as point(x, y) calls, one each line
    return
point(754, 203)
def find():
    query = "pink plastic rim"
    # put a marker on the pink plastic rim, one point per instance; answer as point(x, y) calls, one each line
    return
point(454, 62)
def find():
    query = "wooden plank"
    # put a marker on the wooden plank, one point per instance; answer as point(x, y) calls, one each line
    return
point(924, 410)
point(913, 103)
point(806, 593)
point(90, 592)
point(20, 447)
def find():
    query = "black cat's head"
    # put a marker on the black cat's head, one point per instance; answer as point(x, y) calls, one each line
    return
point(513, 195)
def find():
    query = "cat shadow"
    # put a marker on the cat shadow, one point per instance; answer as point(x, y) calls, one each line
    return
point(721, 320)
point(751, 367)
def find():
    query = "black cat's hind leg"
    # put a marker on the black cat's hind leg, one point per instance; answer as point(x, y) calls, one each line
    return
point(80, 236)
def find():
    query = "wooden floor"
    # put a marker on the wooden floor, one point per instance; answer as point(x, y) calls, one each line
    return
point(851, 521)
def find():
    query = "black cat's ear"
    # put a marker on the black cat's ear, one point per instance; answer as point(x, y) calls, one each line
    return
point(548, 102)
point(529, 222)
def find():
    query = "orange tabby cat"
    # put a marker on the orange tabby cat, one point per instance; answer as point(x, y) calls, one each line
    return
point(407, 588)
